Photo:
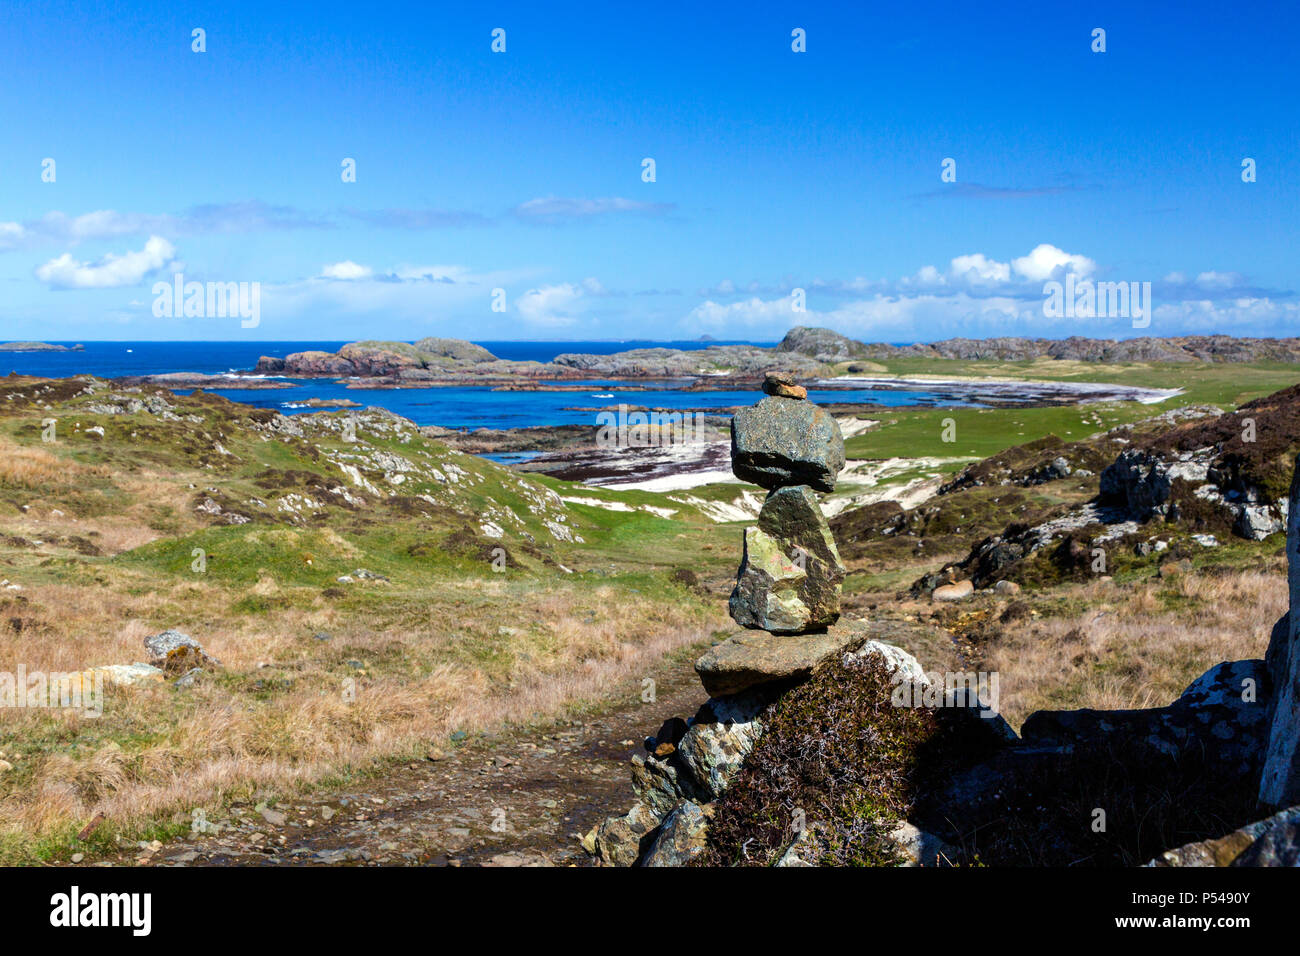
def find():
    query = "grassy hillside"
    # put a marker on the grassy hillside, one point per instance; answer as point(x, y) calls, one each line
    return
point(483, 597)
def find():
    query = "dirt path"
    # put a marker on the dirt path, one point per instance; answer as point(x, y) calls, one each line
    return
point(515, 798)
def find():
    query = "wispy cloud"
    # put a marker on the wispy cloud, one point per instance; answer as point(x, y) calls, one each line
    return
point(208, 219)
point(418, 218)
point(557, 209)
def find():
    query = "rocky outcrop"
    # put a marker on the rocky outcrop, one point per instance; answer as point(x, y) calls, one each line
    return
point(821, 344)
point(1280, 781)
point(458, 350)
point(1186, 348)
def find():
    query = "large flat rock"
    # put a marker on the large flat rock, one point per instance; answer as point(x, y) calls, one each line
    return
point(756, 658)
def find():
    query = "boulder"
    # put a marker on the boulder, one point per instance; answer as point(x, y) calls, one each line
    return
point(953, 592)
point(1271, 842)
point(784, 441)
point(790, 576)
point(1211, 716)
point(1279, 784)
point(176, 652)
point(680, 839)
point(753, 659)
point(721, 736)
point(900, 665)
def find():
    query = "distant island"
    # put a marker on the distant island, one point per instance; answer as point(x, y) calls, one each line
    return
point(807, 352)
point(39, 347)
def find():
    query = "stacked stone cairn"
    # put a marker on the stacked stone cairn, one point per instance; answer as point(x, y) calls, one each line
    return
point(787, 599)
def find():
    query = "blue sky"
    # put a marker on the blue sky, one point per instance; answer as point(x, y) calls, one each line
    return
point(522, 170)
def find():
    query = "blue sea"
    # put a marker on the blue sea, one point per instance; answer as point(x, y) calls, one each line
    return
point(464, 408)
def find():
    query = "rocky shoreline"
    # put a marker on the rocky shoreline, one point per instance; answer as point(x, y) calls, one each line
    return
point(811, 354)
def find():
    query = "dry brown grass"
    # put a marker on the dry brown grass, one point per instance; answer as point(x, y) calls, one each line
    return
point(1136, 646)
point(35, 468)
point(420, 681)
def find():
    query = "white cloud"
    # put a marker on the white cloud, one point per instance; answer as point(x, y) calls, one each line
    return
point(110, 271)
point(347, 270)
point(979, 268)
point(549, 304)
point(1043, 262)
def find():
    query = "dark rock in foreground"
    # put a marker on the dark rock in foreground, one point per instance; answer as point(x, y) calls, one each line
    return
point(1217, 715)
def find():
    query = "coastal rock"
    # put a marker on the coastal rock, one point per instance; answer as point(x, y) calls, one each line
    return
point(821, 344)
point(1280, 781)
point(784, 441)
point(1223, 714)
point(680, 839)
point(791, 575)
point(755, 658)
point(457, 350)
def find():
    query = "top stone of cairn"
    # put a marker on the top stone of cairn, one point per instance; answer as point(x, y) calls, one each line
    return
point(785, 441)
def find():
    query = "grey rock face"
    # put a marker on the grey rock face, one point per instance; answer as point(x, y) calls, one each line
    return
point(1280, 781)
point(1139, 481)
point(784, 441)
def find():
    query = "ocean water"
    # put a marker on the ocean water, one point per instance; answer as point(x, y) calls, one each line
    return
point(449, 407)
